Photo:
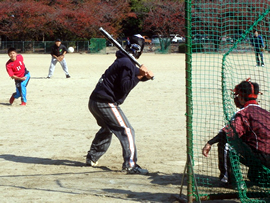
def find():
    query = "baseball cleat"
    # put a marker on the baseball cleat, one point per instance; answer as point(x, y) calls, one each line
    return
point(136, 170)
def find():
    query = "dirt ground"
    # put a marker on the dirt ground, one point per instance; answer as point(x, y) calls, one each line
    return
point(43, 145)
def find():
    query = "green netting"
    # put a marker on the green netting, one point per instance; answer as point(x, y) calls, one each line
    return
point(219, 33)
point(98, 45)
point(164, 46)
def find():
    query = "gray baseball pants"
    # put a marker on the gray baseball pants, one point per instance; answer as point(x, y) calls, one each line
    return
point(63, 63)
point(112, 120)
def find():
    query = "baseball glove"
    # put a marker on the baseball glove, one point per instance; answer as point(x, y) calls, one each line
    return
point(262, 49)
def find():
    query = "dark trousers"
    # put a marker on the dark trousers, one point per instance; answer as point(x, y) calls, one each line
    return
point(252, 158)
point(112, 120)
point(257, 54)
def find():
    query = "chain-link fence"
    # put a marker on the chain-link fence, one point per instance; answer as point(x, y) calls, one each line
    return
point(42, 47)
point(95, 45)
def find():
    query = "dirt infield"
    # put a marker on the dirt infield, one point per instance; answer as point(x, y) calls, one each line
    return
point(43, 145)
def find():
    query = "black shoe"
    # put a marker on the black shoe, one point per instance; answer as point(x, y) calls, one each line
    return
point(67, 76)
point(48, 77)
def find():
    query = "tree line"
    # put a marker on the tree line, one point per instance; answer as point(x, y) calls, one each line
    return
point(71, 20)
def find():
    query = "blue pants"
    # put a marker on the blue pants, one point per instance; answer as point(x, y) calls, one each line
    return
point(21, 88)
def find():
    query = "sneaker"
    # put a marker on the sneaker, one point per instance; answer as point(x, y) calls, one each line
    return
point(23, 104)
point(262, 65)
point(67, 76)
point(136, 170)
point(48, 77)
point(11, 100)
point(89, 162)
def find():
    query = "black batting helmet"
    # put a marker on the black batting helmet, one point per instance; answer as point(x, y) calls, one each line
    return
point(135, 45)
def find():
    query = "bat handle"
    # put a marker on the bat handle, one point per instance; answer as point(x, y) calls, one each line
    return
point(140, 66)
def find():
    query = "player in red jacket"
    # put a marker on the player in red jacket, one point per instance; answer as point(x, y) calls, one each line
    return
point(251, 125)
point(17, 71)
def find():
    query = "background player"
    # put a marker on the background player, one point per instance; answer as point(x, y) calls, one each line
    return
point(17, 71)
point(258, 44)
point(58, 55)
point(111, 91)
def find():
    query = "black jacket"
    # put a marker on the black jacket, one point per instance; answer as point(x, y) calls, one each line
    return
point(58, 51)
point(117, 81)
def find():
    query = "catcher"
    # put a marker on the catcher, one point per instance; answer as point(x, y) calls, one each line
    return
point(251, 125)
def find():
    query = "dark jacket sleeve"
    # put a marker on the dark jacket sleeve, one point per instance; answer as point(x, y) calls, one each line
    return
point(218, 138)
point(129, 78)
point(261, 41)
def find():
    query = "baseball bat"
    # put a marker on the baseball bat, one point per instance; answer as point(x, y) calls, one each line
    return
point(112, 40)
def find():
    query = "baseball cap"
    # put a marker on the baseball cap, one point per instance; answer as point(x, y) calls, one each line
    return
point(58, 40)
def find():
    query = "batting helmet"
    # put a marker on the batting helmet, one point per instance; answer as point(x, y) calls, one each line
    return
point(135, 45)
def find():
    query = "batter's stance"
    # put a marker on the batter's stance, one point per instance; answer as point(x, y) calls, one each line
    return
point(111, 91)
point(17, 71)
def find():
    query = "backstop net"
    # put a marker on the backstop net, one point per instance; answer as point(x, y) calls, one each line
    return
point(221, 52)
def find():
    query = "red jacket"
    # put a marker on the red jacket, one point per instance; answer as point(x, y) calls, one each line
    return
point(252, 123)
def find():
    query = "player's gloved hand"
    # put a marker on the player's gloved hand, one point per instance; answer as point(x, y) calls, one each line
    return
point(206, 149)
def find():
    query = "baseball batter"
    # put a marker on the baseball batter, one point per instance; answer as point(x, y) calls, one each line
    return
point(17, 71)
point(104, 104)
